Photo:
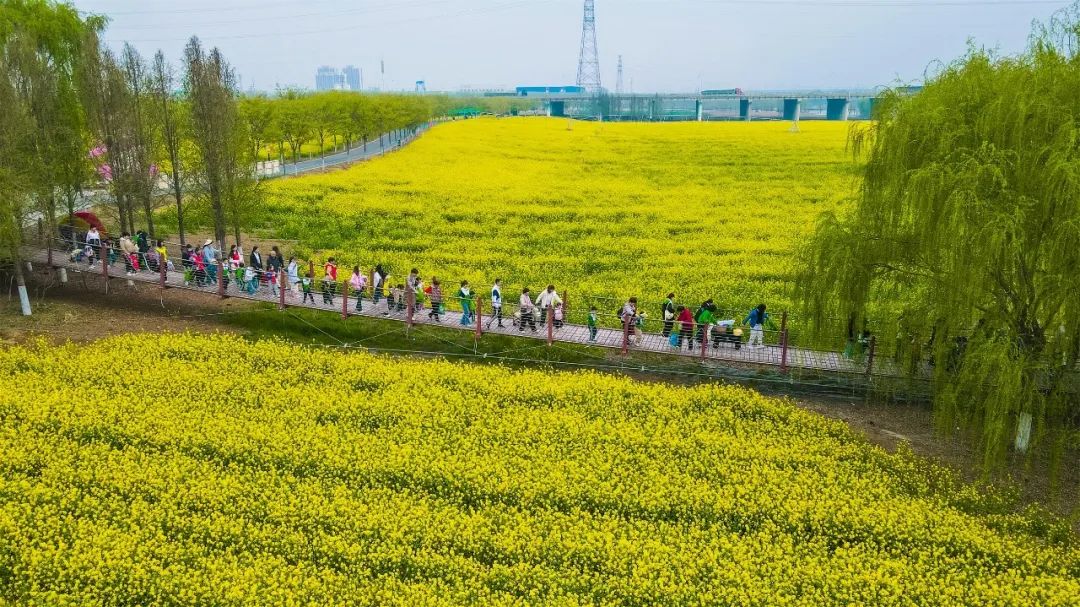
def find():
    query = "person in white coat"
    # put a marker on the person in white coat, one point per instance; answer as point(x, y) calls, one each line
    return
point(496, 303)
point(547, 300)
point(525, 308)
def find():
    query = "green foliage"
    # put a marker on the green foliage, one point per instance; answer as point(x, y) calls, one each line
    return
point(41, 152)
point(965, 236)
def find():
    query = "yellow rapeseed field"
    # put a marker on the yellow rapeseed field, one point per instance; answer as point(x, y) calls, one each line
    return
point(195, 470)
point(609, 210)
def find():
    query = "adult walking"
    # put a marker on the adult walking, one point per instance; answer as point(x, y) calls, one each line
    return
point(330, 280)
point(378, 279)
point(757, 319)
point(93, 238)
point(292, 275)
point(686, 327)
point(668, 314)
point(465, 296)
point(496, 303)
point(276, 262)
point(704, 317)
point(163, 256)
point(358, 282)
point(129, 250)
point(255, 260)
point(547, 300)
point(413, 286)
point(629, 317)
point(526, 308)
point(210, 260)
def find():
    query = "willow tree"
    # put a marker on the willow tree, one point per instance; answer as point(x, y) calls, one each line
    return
point(41, 151)
point(966, 236)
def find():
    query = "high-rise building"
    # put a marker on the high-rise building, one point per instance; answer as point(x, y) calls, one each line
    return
point(327, 78)
point(354, 81)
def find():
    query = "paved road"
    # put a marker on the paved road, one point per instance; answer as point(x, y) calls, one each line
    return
point(769, 355)
point(377, 147)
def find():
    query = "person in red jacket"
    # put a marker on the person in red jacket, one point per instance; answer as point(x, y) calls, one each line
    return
point(330, 280)
point(686, 326)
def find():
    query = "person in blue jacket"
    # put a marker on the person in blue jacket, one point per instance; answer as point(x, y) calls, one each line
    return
point(756, 319)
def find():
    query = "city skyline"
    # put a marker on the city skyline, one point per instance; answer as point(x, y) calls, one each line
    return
point(679, 45)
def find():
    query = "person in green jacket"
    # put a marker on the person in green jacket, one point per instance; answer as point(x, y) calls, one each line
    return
point(466, 297)
point(704, 317)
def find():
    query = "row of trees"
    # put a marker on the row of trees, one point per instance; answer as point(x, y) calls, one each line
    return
point(79, 117)
point(294, 118)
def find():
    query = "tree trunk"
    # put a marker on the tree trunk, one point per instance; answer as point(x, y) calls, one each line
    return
point(178, 194)
point(20, 280)
point(219, 215)
point(148, 209)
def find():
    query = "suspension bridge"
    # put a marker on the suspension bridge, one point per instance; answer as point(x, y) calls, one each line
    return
point(777, 352)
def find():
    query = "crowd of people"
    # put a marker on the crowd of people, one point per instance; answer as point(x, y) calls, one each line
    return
point(205, 266)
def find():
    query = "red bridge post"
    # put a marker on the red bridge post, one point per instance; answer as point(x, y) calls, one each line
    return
point(221, 279)
point(410, 304)
point(162, 264)
point(783, 343)
point(625, 336)
point(550, 325)
point(281, 292)
point(479, 315)
point(344, 300)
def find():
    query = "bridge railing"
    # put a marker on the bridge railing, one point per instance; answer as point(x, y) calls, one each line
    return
point(716, 342)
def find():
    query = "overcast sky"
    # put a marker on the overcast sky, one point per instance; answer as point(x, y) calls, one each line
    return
point(667, 45)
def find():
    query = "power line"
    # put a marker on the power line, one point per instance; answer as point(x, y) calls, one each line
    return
point(290, 17)
point(461, 13)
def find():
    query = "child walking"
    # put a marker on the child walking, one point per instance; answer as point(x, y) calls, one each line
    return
point(272, 279)
point(435, 292)
point(305, 286)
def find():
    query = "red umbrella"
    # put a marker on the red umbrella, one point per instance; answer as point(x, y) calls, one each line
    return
point(83, 220)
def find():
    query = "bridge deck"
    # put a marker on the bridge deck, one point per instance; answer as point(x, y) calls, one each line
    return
point(767, 355)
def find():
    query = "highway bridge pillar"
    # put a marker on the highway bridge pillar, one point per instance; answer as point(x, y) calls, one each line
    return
point(837, 109)
point(792, 109)
point(744, 109)
point(700, 110)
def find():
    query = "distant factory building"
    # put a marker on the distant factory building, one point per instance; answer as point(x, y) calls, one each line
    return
point(525, 91)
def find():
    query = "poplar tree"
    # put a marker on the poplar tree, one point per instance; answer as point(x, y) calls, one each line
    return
point(225, 167)
point(167, 114)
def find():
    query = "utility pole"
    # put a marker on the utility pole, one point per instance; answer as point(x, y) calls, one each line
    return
point(618, 78)
point(588, 75)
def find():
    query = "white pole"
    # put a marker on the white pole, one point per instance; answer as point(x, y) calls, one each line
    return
point(24, 300)
point(1023, 432)
point(63, 276)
